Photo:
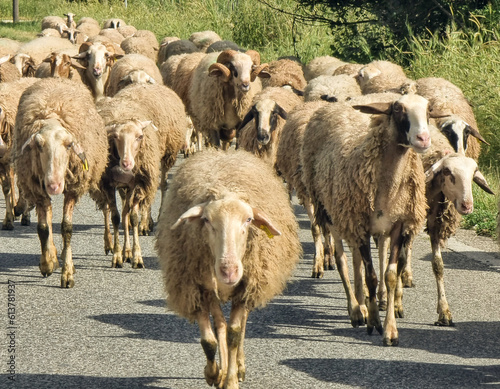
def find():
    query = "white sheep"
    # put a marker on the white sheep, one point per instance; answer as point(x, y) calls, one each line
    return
point(8, 70)
point(113, 23)
point(319, 66)
point(289, 167)
point(146, 126)
point(261, 127)
point(221, 92)
point(132, 68)
point(214, 245)
point(384, 76)
point(70, 20)
point(140, 44)
point(55, 22)
point(366, 179)
point(60, 147)
point(203, 39)
point(332, 88)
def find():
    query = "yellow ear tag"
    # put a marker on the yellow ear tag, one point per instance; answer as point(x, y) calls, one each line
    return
point(85, 165)
point(267, 231)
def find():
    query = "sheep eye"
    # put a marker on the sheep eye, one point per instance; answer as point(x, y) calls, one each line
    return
point(397, 108)
point(249, 220)
point(235, 73)
point(139, 138)
point(69, 146)
point(447, 172)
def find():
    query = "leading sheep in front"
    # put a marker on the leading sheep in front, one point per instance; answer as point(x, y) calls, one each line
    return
point(214, 245)
point(60, 147)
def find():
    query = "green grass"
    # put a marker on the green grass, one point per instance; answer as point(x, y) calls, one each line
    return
point(469, 59)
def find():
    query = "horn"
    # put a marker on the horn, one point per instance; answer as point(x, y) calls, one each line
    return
point(218, 69)
point(261, 71)
point(481, 181)
point(475, 133)
point(226, 56)
point(254, 55)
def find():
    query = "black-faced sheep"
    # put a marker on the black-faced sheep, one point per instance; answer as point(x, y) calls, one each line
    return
point(290, 168)
point(10, 93)
point(113, 23)
point(221, 92)
point(366, 179)
point(56, 151)
point(146, 127)
point(214, 246)
point(126, 71)
point(262, 125)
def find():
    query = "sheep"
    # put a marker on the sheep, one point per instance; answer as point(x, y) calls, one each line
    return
point(146, 125)
point(332, 88)
point(350, 69)
point(285, 72)
point(10, 93)
point(177, 47)
point(227, 81)
point(113, 35)
point(60, 64)
point(260, 130)
point(113, 47)
point(56, 152)
point(162, 51)
point(88, 28)
point(289, 166)
point(8, 46)
point(203, 39)
point(123, 71)
point(49, 32)
point(366, 179)
point(382, 76)
point(324, 65)
point(445, 97)
point(70, 19)
point(141, 45)
point(32, 53)
point(223, 45)
point(213, 244)
point(113, 23)
point(127, 30)
point(8, 71)
point(55, 22)
point(98, 59)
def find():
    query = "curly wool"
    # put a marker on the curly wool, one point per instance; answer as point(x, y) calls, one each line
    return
point(285, 72)
point(73, 106)
point(185, 257)
point(344, 172)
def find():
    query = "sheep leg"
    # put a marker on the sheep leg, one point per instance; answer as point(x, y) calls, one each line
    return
point(137, 262)
point(383, 246)
point(318, 262)
point(221, 330)
point(373, 320)
point(355, 313)
point(391, 337)
point(127, 251)
point(48, 259)
point(241, 354)
point(22, 208)
point(8, 221)
point(359, 282)
point(68, 268)
point(328, 257)
point(146, 224)
point(443, 309)
point(398, 294)
point(108, 246)
point(234, 340)
point(213, 375)
point(407, 274)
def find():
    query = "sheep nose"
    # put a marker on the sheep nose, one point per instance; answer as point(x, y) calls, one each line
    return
point(424, 139)
point(127, 164)
point(245, 87)
point(97, 72)
point(466, 208)
point(229, 273)
point(263, 139)
point(54, 188)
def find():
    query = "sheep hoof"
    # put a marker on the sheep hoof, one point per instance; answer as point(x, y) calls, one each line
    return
point(407, 281)
point(382, 305)
point(241, 374)
point(138, 265)
point(391, 342)
point(444, 322)
point(9, 226)
point(317, 274)
point(399, 313)
point(26, 220)
point(67, 283)
point(213, 379)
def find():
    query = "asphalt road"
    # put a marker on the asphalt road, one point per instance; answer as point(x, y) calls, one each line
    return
point(112, 330)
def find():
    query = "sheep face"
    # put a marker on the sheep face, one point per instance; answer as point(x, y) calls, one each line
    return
point(226, 223)
point(25, 64)
point(457, 132)
point(265, 113)
point(53, 143)
point(454, 174)
point(61, 65)
point(127, 140)
point(98, 59)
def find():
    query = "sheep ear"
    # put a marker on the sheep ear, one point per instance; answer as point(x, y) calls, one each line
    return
point(247, 119)
point(481, 181)
point(433, 171)
point(191, 214)
point(29, 143)
point(475, 133)
point(261, 220)
point(77, 65)
point(375, 108)
point(5, 58)
point(78, 150)
point(280, 111)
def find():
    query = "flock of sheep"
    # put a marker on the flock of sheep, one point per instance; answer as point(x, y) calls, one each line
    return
point(101, 108)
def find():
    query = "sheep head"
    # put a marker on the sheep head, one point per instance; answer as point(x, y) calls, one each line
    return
point(453, 175)
point(266, 113)
point(98, 57)
point(53, 145)
point(61, 65)
point(127, 139)
point(226, 223)
point(410, 116)
point(457, 131)
point(25, 64)
point(135, 77)
point(239, 68)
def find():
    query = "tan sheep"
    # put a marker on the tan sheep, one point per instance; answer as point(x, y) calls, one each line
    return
point(146, 126)
point(203, 39)
point(319, 66)
point(56, 151)
point(384, 76)
point(285, 72)
point(213, 244)
point(8, 70)
point(332, 88)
